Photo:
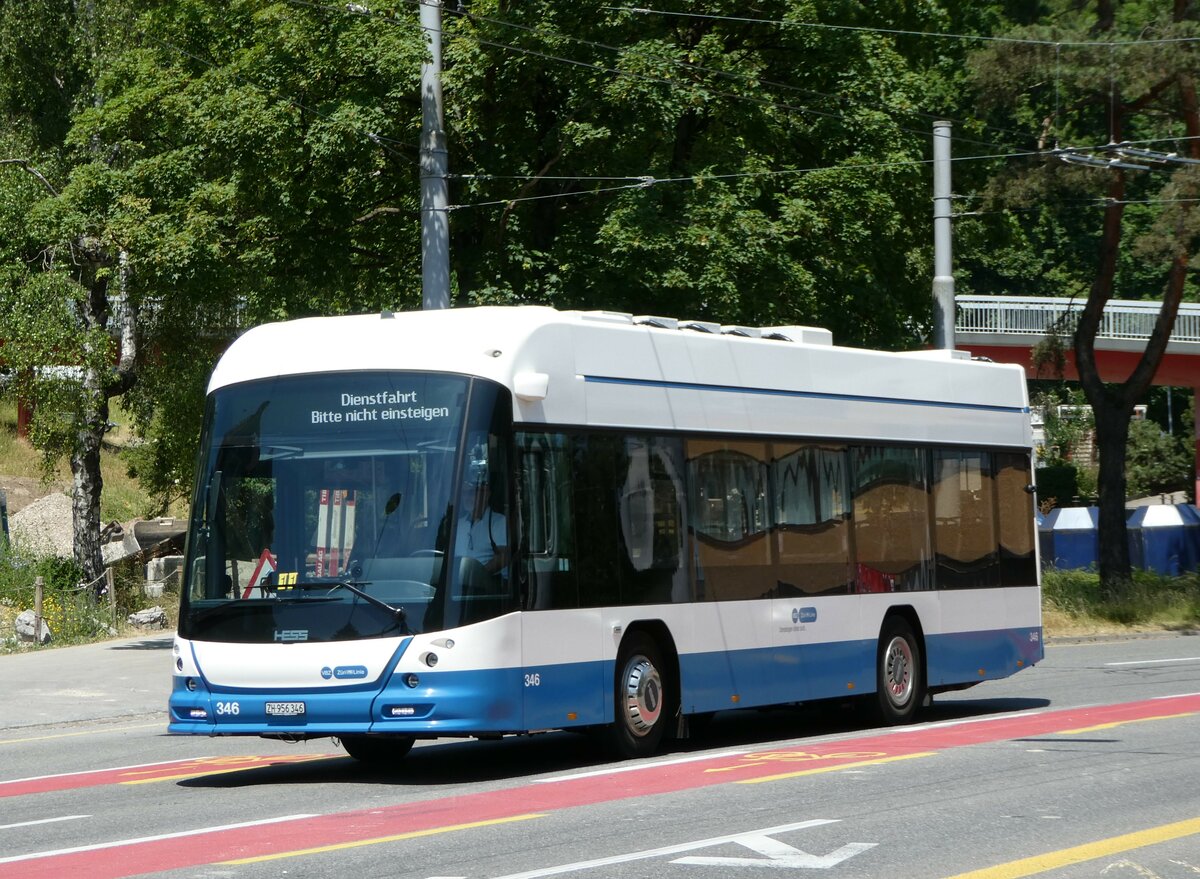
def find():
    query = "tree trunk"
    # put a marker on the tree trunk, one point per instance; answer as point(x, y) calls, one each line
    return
point(88, 482)
point(1112, 434)
point(101, 382)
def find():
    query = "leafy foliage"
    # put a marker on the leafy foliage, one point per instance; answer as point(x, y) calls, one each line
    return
point(1157, 462)
point(1099, 77)
point(774, 192)
point(175, 171)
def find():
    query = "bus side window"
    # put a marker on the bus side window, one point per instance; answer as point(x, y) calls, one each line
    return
point(547, 521)
point(730, 519)
point(891, 519)
point(1016, 520)
point(965, 536)
point(811, 527)
point(651, 503)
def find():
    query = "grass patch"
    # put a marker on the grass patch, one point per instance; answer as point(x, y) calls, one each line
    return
point(121, 498)
point(74, 615)
point(1073, 603)
point(17, 456)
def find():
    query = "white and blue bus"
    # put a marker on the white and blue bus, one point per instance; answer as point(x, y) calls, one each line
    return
point(491, 521)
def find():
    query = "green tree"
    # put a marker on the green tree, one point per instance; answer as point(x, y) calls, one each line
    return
point(1093, 74)
point(173, 171)
point(177, 170)
point(710, 166)
point(1156, 462)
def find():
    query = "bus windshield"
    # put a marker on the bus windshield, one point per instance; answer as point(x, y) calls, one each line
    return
point(340, 506)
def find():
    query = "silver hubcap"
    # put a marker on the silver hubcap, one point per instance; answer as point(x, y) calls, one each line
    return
point(898, 671)
point(643, 695)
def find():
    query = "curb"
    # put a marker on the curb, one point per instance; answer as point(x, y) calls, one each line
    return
point(1104, 637)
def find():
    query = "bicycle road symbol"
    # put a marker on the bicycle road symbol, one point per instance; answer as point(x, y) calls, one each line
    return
point(762, 758)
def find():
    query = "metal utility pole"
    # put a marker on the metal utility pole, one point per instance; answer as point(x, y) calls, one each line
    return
point(943, 270)
point(435, 192)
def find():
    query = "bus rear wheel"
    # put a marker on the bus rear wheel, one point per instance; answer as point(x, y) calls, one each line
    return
point(900, 681)
point(377, 750)
point(642, 698)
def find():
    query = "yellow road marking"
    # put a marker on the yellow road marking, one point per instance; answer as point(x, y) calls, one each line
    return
point(433, 831)
point(1116, 723)
point(834, 768)
point(70, 735)
point(763, 757)
point(223, 765)
point(1082, 853)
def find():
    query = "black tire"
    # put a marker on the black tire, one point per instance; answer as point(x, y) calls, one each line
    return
point(899, 672)
point(642, 698)
point(377, 750)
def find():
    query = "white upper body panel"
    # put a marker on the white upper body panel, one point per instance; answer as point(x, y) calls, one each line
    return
point(603, 369)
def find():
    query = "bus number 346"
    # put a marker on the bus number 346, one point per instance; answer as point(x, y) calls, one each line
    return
point(533, 680)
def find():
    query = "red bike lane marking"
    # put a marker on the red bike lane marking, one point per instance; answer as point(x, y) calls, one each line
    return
point(174, 770)
point(362, 826)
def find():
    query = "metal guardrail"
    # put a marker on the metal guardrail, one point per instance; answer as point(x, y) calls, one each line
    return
point(1035, 316)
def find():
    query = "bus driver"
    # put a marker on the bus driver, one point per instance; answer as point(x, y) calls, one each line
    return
point(482, 533)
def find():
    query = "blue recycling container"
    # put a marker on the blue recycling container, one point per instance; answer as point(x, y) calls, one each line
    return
point(1165, 538)
point(1069, 537)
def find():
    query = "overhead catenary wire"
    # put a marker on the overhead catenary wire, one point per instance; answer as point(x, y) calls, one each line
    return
point(637, 75)
point(645, 181)
point(1076, 204)
point(641, 10)
point(648, 181)
point(635, 181)
point(700, 68)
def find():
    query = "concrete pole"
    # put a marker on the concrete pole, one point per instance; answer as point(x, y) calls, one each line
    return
point(943, 270)
point(435, 191)
point(38, 607)
point(1196, 452)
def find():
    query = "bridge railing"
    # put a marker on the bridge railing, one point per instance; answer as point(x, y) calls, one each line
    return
point(1035, 315)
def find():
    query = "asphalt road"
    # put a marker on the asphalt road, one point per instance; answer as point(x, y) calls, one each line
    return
point(1086, 765)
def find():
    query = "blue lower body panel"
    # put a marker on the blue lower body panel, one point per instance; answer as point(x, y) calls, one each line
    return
point(969, 657)
point(448, 703)
point(512, 700)
point(711, 681)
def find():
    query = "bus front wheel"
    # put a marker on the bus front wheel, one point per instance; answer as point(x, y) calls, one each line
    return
point(642, 700)
point(900, 684)
point(377, 749)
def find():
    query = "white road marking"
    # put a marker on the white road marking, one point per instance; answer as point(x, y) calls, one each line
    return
point(1155, 661)
point(124, 842)
point(635, 767)
point(780, 854)
point(784, 745)
point(95, 771)
point(666, 850)
point(43, 821)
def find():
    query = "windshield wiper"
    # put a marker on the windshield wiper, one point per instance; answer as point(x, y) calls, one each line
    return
point(280, 453)
point(398, 612)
